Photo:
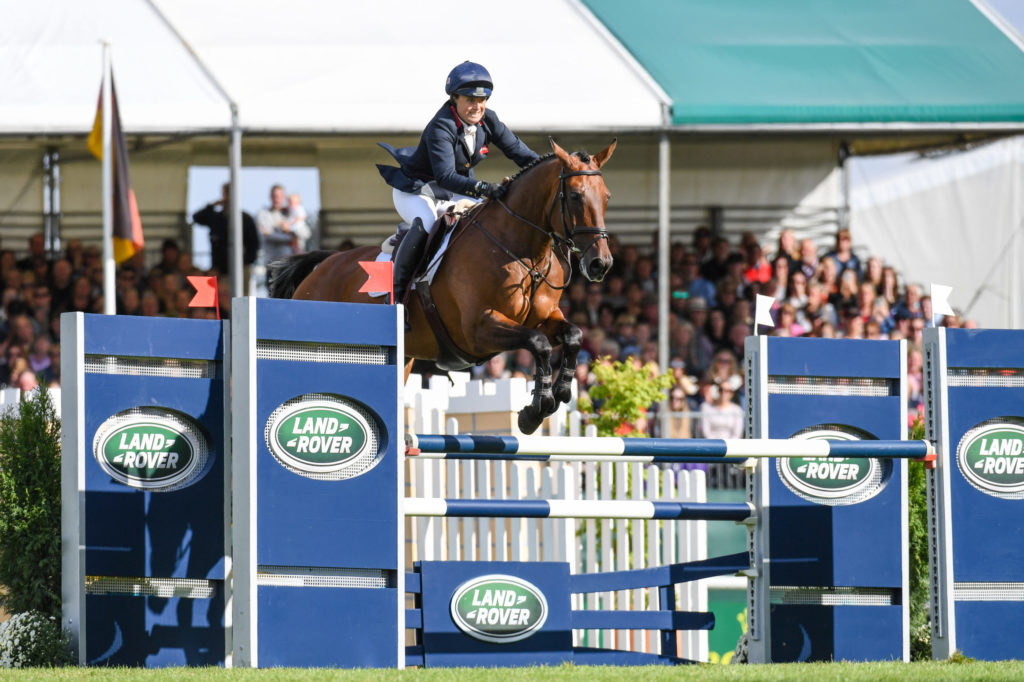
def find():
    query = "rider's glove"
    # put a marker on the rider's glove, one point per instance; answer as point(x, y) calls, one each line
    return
point(491, 190)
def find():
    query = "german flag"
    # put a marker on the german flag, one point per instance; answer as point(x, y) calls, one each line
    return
point(127, 224)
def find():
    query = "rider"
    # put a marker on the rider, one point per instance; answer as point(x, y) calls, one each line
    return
point(439, 171)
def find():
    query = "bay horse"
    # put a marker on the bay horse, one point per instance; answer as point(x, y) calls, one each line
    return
point(501, 279)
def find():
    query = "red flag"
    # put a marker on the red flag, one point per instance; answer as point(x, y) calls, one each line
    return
point(380, 277)
point(206, 292)
point(127, 224)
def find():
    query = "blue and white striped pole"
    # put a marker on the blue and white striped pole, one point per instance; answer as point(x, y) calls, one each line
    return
point(653, 450)
point(579, 509)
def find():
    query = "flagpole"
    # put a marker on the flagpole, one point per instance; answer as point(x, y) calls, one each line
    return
point(109, 269)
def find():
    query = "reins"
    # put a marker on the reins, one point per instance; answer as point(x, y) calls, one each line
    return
point(567, 242)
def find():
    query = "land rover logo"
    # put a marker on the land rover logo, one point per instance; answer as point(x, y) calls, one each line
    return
point(499, 608)
point(991, 458)
point(322, 436)
point(831, 480)
point(151, 448)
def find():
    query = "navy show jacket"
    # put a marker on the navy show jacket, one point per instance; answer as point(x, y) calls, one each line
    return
point(442, 158)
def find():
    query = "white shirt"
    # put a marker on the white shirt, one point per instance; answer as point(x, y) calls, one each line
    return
point(470, 135)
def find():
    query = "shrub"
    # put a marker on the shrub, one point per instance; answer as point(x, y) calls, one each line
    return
point(621, 395)
point(30, 559)
point(31, 639)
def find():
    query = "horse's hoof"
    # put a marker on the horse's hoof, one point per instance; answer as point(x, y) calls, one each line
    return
point(527, 423)
point(562, 393)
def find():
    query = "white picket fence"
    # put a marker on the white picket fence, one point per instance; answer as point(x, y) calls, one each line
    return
point(588, 545)
point(11, 397)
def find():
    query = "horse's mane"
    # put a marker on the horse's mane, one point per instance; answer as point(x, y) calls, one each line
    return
point(582, 156)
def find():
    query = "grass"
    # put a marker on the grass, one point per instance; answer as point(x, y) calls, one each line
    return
point(811, 672)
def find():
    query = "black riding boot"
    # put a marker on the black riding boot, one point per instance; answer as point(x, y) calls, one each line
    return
point(406, 258)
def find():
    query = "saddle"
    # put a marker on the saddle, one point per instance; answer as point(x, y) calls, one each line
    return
point(450, 356)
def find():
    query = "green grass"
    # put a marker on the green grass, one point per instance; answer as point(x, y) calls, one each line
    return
point(811, 672)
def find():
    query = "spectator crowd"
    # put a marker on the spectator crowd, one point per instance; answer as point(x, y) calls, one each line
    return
point(827, 293)
point(713, 283)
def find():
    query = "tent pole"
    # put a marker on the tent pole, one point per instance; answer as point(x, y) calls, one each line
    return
point(238, 287)
point(664, 239)
point(234, 160)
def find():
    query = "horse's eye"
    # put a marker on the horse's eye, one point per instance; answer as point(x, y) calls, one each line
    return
point(576, 196)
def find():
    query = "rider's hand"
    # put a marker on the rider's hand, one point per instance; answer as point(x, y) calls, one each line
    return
point(491, 190)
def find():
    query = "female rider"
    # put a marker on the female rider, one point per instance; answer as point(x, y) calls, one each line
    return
point(439, 170)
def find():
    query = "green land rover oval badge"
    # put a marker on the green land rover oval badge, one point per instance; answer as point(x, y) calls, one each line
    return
point(151, 448)
point(991, 458)
point(323, 436)
point(499, 608)
point(831, 480)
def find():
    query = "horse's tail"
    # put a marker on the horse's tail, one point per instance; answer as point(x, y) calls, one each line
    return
point(284, 276)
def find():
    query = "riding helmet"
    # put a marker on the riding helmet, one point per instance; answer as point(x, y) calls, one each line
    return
point(469, 78)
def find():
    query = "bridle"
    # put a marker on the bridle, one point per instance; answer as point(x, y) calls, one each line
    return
point(561, 243)
point(570, 234)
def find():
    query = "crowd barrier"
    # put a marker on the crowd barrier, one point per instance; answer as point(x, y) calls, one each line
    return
point(312, 491)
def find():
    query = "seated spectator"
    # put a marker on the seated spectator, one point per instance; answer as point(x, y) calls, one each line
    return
point(872, 331)
point(677, 421)
point(756, 266)
point(865, 300)
point(880, 313)
point(796, 292)
point(720, 416)
point(787, 321)
point(817, 305)
point(789, 249)
point(782, 278)
point(873, 271)
point(809, 258)
point(910, 305)
point(495, 368)
point(843, 254)
point(845, 298)
point(693, 283)
point(716, 329)
point(890, 289)
point(716, 267)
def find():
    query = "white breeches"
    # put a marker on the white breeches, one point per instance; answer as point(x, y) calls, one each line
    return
point(427, 209)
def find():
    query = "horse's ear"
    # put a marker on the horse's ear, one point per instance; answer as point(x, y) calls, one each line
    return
point(562, 155)
point(602, 156)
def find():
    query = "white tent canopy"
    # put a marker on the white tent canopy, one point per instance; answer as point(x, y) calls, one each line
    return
point(308, 66)
point(957, 221)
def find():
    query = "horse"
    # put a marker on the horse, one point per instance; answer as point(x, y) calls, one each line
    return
point(498, 286)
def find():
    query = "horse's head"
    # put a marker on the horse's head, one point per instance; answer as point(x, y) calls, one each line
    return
point(583, 198)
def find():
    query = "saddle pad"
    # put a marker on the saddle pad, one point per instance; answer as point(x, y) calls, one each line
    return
point(431, 269)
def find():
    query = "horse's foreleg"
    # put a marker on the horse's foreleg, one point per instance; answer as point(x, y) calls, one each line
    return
point(495, 330)
point(570, 337)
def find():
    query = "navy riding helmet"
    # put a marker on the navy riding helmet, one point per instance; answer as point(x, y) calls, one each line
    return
point(469, 78)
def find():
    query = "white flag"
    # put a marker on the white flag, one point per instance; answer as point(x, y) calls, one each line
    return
point(940, 300)
point(762, 311)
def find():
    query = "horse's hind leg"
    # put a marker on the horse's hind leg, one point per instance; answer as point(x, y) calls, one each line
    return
point(497, 330)
point(570, 337)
